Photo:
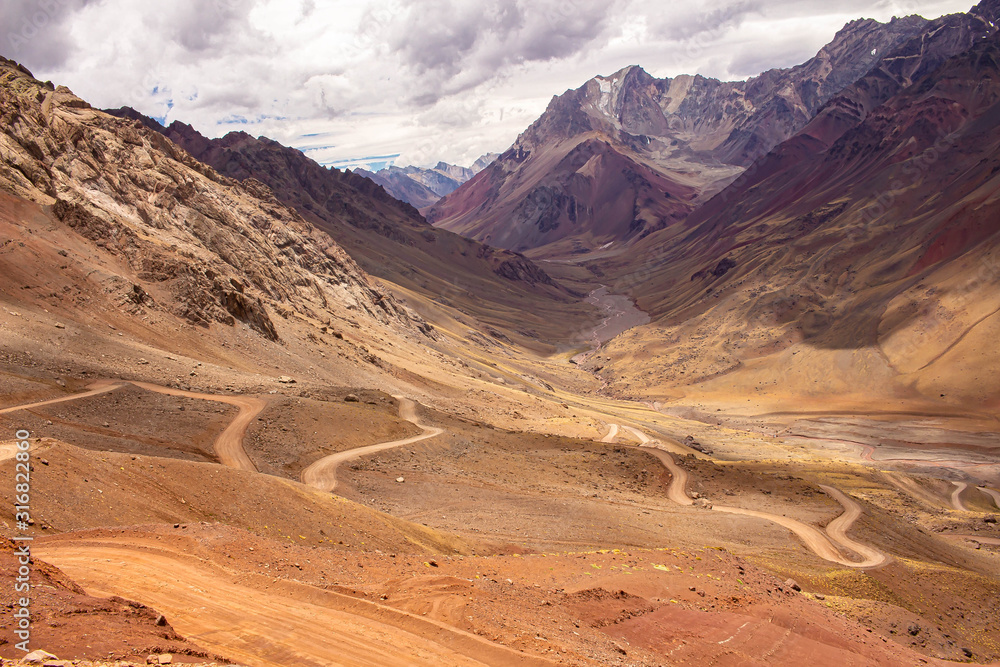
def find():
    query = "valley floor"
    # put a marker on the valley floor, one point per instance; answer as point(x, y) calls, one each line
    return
point(630, 547)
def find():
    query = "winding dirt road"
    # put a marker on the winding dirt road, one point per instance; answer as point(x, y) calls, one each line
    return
point(94, 388)
point(956, 496)
point(8, 450)
point(837, 529)
point(642, 437)
point(677, 491)
point(993, 494)
point(812, 537)
point(823, 545)
point(322, 474)
point(264, 622)
point(228, 445)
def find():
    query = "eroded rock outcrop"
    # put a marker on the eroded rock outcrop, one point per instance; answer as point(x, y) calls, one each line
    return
point(172, 220)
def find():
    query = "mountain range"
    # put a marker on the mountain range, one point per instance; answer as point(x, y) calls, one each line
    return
point(695, 372)
point(130, 231)
point(628, 154)
point(841, 207)
point(870, 236)
point(423, 187)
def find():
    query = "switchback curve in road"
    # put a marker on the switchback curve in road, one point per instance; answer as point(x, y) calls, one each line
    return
point(677, 490)
point(956, 496)
point(228, 445)
point(642, 437)
point(823, 545)
point(837, 529)
point(812, 537)
point(322, 474)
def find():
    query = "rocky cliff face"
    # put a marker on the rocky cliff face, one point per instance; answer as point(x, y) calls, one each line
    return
point(389, 238)
point(734, 122)
point(695, 133)
point(213, 250)
point(482, 162)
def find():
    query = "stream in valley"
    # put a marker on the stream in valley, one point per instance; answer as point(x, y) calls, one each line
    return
point(620, 315)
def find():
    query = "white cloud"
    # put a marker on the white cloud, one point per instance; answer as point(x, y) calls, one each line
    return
point(429, 79)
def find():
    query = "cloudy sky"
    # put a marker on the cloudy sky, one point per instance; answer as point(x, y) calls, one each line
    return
point(351, 81)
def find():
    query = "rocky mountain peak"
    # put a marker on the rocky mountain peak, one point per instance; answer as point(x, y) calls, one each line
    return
point(693, 130)
point(609, 95)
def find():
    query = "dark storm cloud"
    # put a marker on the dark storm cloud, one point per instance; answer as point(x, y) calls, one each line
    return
point(36, 34)
point(201, 28)
point(709, 21)
point(454, 45)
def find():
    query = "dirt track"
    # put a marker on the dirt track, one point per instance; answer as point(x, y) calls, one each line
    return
point(642, 437)
point(229, 444)
point(7, 451)
point(677, 491)
point(267, 623)
point(837, 529)
point(956, 496)
point(98, 387)
point(322, 474)
point(823, 545)
point(991, 493)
